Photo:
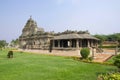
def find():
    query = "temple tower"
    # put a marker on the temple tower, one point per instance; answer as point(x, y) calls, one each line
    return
point(30, 27)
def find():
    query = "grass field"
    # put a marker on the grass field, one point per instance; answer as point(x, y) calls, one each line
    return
point(27, 66)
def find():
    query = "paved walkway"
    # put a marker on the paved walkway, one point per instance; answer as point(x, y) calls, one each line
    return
point(102, 57)
point(98, 57)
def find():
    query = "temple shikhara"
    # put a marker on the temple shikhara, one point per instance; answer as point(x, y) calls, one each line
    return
point(33, 37)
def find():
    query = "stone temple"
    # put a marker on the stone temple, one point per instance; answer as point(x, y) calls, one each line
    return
point(33, 37)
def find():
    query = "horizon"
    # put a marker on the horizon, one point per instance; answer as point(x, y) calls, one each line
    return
point(98, 17)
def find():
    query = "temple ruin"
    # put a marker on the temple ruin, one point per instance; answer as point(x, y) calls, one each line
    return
point(33, 37)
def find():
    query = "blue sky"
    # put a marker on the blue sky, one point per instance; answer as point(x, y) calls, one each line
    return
point(96, 16)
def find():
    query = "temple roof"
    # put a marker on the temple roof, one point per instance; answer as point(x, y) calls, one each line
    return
point(67, 36)
point(74, 36)
point(87, 36)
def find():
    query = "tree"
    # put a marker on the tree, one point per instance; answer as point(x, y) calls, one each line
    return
point(14, 43)
point(117, 35)
point(101, 37)
point(3, 43)
point(110, 37)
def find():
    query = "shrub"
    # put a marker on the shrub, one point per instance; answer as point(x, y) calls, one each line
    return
point(90, 58)
point(76, 58)
point(117, 61)
point(10, 54)
point(85, 53)
point(107, 46)
point(109, 76)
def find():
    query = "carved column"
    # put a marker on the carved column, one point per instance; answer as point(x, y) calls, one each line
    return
point(91, 43)
point(88, 43)
point(53, 43)
point(59, 43)
point(77, 43)
point(70, 43)
point(80, 43)
point(62, 43)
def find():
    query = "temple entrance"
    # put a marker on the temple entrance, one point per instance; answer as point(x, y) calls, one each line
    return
point(84, 43)
point(65, 43)
point(56, 43)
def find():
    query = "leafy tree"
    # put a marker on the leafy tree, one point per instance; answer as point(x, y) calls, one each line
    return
point(114, 37)
point(3, 43)
point(118, 37)
point(101, 37)
point(110, 37)
point(14, 43)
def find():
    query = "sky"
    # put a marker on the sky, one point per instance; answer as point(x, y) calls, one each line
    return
point(96, 16)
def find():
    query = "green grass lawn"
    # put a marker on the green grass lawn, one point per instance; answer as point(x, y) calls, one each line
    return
point(27, 66)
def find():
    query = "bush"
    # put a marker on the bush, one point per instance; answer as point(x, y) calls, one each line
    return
point(117, 61)
point(109, 76)
point(90, 58)
point(107, 46)
point(10, 54)
point(85, 53)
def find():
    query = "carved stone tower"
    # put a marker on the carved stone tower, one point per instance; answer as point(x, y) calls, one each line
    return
point(30, 28)
point(33, 37)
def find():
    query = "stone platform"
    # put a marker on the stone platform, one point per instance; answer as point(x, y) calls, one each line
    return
point(98, 57)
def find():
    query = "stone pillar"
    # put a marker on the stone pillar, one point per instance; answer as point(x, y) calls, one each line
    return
point(88, 43)
point(91, 43)
point(97, 44)
point(74, 44)
point(62, 43)
point(70, 43)
point(80, 43)
point(77, 43)
point(93, 51)
point(59, 43)
point(53, 43)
